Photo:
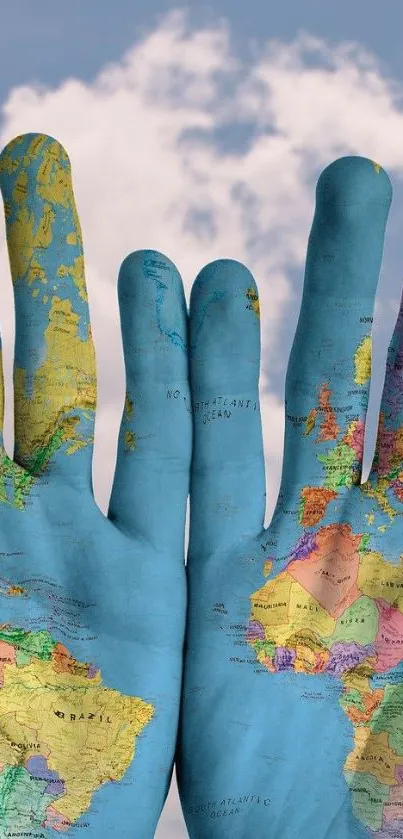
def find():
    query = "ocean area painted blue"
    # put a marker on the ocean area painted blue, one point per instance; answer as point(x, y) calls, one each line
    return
point(313, 799)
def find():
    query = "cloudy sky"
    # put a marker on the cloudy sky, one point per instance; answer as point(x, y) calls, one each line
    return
point(200, 131)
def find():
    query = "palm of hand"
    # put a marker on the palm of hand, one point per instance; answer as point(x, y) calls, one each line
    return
point(92, 607)
point(293, 693)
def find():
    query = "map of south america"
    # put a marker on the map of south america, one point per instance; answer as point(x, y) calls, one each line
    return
point(63, 732)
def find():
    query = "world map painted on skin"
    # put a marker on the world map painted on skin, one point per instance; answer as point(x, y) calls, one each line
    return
point(63, 733)
point(336, 606)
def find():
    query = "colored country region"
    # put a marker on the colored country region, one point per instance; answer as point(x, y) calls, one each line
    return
point(330, 572)
point(11, 590)
point(23, 803)
point(378, 492)
point(267, 568)
point(130, 441)
point(347, 656)
point(309, 655)
point(253, 298)
point(307, 612)
point(129, 408)
point(352, 701)
point(389, 830)
point(380, 580)
point(385, 447)
point(28, 644)
point(129, 435)
point(38, 769)
point(284, 659)
point(359, 678)
point(63, 662)
point(388, 718)
point(389, 638)
point(328, 428)
point(393, 809)
point(396, 486)
point(15, 482)
point(391, 677)
point(310, 422)
point(359, 705)
point(302, 653)
point(270, 604)
point(305, 545)
point(393, 392)
point(74, 735)
point(362, 361)
point(373, 755)
point(265, 652)
point(283, 607)
point(55, 821)
point(369, 797)
point(338, 466)
point(313, 504)
point(354, 438)
point(255, 631)
point(7, 656)
point(359, 622)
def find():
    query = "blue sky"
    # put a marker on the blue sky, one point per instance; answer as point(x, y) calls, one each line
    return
point(40, 42)
point(42, 45)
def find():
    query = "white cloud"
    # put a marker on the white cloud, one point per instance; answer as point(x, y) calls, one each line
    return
point(140, 138)
point(172, 825)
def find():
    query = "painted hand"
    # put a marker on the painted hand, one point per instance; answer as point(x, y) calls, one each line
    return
point(292, 715)
point(92, 608)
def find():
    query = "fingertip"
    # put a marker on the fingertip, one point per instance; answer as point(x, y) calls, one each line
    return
point(152, 302)
point(147, 264)
point(221, 267)
point(34, 167)
point(36, 139)
point(138, 256)
point(224, 326)
point(353, 179)
point(224, 274)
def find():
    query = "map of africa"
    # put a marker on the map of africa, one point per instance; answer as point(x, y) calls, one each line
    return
point(336, 606)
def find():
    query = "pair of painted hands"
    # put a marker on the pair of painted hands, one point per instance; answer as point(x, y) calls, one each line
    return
point(287, 669)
